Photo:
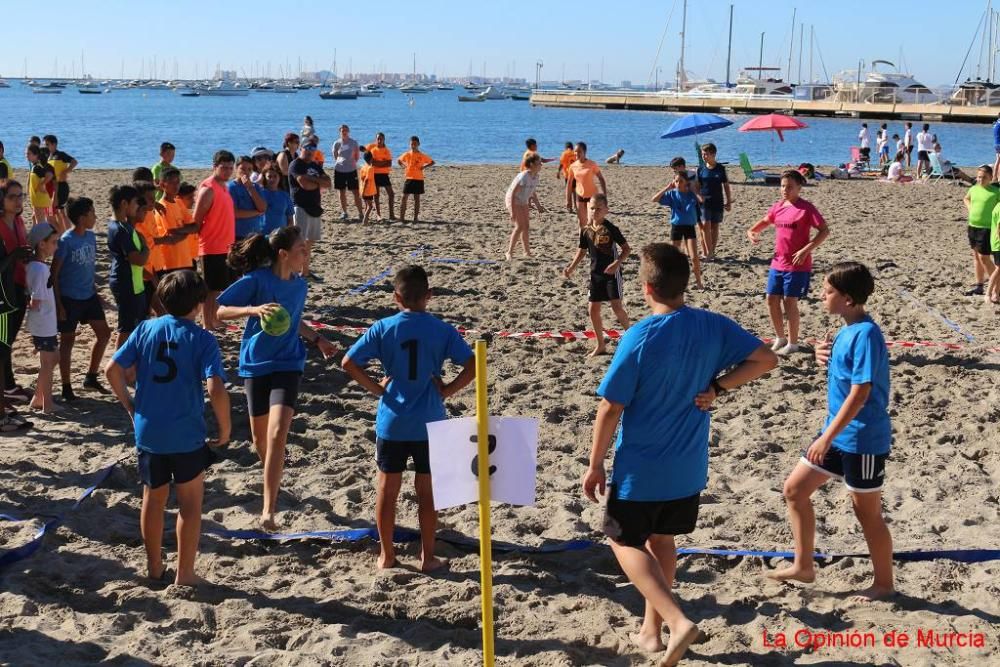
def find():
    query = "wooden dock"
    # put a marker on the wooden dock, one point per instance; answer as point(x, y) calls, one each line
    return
point(647, 101)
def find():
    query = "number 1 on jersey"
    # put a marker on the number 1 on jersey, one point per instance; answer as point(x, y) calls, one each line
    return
point(411, 347)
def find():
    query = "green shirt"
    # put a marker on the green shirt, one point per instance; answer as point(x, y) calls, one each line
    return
point(981, 204)
point(995, 234)
point(157, 170)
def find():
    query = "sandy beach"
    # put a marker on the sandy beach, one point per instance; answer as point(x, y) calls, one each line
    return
point(82, 598)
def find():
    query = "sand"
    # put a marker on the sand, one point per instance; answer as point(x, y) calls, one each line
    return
point(82, 598)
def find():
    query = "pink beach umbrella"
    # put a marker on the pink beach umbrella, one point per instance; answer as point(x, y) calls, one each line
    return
point(773, 121)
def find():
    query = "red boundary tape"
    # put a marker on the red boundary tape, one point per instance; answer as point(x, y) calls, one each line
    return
point(615, 334)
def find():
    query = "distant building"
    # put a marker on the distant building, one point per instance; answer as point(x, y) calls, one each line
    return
point(626, 84)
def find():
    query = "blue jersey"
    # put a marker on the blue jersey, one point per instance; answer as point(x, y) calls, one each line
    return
point(661, 364)
point(79, 264)
point(123, 240)
point(996, 133)
point(412, 347)
point(279, 209)
point(243, 201)
point(260, 353)
point(683, 207)
point(171, 356)
point(712, 182)
point(860, 356)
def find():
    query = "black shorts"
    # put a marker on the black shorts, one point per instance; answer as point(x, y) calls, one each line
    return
point(62, 194)
point(866, 153)
point(345, 180)
point(681, 232)
point(996, 257)
point(862, 473)
point(712, 215)
point(413, 186)
point(632, 522)
point(155, 470)
point(80, 311)
point(604, 287)
point(368, 198)
point(217, 274)
point(391, 455)
point(278, 388)
point(132, 309)
point(909, 149)
point(582, 200)
point(979, 240)
point(922, 155)
point(46, 343)
point(383, 181)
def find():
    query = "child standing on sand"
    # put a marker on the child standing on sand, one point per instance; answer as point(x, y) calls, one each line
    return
point(519, 199)
point(602, 240)
point(414, 162)
point(791, 268)
point(171, 356)
point(667, 371)
point(412, 347)
point(128, 255)
point(271, 364)
point(857, 436)
point(369, 189)
point(42, 313)
point(683, 204)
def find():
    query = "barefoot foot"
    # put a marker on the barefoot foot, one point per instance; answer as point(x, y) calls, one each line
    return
point(598, 351)
point(648, 642)
point(267, 523)
point(386, 561)
point(507, 256)
point(793, 573)
point(873, 593)
point(678, 644)
point(191, 580)
point(432, 564)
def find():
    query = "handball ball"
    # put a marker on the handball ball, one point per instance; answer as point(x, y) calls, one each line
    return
point(277, 323)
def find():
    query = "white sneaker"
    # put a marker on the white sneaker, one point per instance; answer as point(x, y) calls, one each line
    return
point(343, 216)
point(787, 349)
point(778, 344)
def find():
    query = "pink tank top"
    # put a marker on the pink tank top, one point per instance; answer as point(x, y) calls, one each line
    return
point(219, 229)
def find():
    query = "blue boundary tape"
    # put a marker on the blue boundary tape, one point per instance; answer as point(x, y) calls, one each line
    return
point(16, 554)
point(457, 260)
point(954, 326)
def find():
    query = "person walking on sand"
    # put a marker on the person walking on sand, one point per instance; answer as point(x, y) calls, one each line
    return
point(908, 142)
point(345, 170)
point(519, 199)
point(585, 174)
point(381, 168)
point(857, 436)
point(667, 372)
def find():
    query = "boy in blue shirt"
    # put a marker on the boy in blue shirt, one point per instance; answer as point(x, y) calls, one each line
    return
point(74, 281)
point(718, 197)
point(129, 254)
point(411, 346)
point(249, 204)
point(857, 436)
point(170, 357)
point(668, 369)
point(683, 204)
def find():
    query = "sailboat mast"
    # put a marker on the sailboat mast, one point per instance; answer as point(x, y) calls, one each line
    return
point(791, 45)
point(989, 54)
point(801, 28)
point(681, 76)
point(729, 49)
point(811, 36)
point(760, 63)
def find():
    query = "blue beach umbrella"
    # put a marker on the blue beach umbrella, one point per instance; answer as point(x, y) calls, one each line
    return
point(694, 124)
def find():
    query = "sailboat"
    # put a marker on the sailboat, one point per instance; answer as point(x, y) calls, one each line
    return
point(413, 86)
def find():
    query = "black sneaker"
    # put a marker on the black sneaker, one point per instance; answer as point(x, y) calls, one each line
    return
point(316, 278)
point(975, 290)
point(67, 393)
point(91, 382)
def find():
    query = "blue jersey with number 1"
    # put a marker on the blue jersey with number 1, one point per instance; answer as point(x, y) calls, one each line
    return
point(171, 356)
point(412, 347)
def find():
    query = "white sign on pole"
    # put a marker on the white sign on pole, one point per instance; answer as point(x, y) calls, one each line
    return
point(454, 460)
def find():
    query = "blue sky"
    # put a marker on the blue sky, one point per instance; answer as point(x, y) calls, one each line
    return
point(456, 38)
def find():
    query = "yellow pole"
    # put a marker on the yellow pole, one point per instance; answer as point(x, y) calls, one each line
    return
point(485, 546)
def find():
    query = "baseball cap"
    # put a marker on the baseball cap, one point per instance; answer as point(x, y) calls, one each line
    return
point(261, 151)
point(39, 233)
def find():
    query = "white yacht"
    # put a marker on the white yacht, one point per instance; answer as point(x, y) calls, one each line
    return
point(884, 87)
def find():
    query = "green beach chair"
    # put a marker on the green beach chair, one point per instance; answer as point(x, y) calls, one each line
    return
point(751, 176)
point(937, 169)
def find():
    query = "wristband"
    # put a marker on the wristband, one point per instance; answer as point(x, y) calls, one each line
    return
point(719, 389)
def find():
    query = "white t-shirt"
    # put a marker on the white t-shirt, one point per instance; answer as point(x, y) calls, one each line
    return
point(900, 147)
point(41, 321)
point(863, 138)
point(908, 138)
point(528, 184)
point(925, 141)
point(895, 171)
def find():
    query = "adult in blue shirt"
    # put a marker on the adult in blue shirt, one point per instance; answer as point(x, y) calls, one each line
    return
point(412, 347)
point(666, 373)
point(248, 200)
point(170, 357)
point(271, 363)
point(856, 437)
point(74, 283)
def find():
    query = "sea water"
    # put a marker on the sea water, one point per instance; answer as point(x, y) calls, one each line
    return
point(124, 128)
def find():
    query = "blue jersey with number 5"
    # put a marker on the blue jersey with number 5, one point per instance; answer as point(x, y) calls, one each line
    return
point(412, 347)
point(171, 356)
